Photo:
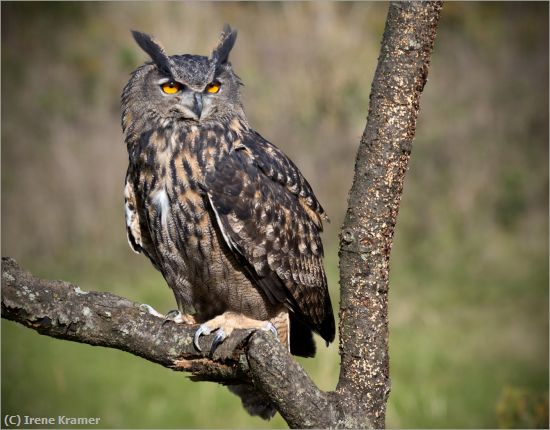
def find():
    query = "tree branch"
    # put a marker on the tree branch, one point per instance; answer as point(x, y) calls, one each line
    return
point(367, 233)
point(62, 310)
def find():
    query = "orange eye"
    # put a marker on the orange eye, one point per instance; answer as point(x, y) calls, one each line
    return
point(171, 87)
point(213, 88)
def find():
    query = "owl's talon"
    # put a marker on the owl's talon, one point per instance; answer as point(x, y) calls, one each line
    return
point(175, 316)
point(150, 310)
point(269, 326)
point(203, 329)
point(218, 338)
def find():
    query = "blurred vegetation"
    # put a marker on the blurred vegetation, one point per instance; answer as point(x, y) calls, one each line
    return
point(469, 280)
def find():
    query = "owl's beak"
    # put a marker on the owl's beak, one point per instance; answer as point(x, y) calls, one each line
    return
point(197, 104)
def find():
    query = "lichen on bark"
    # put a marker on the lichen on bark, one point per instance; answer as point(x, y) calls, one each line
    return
point(369, 225)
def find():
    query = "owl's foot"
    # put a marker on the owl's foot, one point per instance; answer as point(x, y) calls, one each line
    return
point(172, 316)
point(150, 310)
point(224, 324)
point(179, 318)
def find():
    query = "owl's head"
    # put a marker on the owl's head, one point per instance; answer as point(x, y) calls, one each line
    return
point(186, 87)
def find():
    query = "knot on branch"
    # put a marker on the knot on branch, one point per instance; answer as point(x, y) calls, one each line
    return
point(348, 236)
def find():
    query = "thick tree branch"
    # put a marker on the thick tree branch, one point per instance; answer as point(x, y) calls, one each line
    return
point(62, 310)
point(290, 386)
point(367, 233)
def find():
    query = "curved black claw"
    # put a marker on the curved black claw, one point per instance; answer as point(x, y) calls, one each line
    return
point(203, 329)
point(218, 338)
point(173, 316)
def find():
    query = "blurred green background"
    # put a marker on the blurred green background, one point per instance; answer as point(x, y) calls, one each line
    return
point(469, 278)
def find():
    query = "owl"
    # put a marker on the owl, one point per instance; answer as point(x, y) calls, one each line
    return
point(222, 213)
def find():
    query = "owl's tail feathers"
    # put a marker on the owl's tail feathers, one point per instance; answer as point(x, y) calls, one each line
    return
point(255, 403)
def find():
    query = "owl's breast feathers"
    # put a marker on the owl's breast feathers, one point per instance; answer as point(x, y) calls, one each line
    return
point(263, 206)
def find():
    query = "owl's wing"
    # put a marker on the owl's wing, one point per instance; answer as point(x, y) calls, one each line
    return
point(136, 228)
point(267, 225)
point(279, 168)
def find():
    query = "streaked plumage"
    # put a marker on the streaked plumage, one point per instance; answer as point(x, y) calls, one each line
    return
point(222, 213)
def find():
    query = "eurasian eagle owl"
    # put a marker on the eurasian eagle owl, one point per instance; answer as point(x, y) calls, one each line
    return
point(222, 213)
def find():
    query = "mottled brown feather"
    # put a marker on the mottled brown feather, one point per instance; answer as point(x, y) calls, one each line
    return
point(267, 224)
point(224, 215)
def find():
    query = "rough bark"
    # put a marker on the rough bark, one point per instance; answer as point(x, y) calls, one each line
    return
point(62, 310)
point(367, 233)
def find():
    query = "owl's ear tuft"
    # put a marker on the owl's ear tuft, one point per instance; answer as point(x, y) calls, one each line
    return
point(220, 55)
point(154, 50)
